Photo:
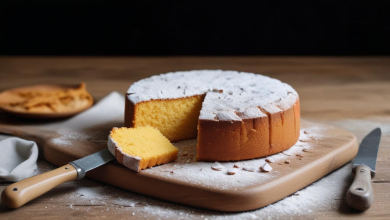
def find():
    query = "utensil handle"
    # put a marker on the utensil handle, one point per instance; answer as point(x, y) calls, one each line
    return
point(20, 193)
point(360, 195)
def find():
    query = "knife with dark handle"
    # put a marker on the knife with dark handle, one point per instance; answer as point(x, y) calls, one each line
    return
point(20, 193)
point(360, 195)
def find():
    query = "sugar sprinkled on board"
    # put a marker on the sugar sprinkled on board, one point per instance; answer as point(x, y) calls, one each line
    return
point(203, 173)
point(266, 167)
point(232, 171)
point(270, 159)
point(249, 168)
point(217, 166)
point(89, 192)
point(325, 194)
point(90, 125)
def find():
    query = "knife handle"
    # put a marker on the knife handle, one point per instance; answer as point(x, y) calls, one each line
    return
point(19, 193)
point(360, 195)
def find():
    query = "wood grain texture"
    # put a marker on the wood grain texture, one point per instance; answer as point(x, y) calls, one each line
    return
point(335, 148)
point(331, 89)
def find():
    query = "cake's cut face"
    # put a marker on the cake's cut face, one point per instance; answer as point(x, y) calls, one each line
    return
point(139, 148)
point(177, 119)
point(242, 116)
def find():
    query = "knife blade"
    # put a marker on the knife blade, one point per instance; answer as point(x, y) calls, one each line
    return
point(368, 150)
point(20, 193)
point(92, 161)
point(360, 195)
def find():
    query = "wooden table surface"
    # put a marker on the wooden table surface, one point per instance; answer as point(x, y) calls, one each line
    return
point(350, 92)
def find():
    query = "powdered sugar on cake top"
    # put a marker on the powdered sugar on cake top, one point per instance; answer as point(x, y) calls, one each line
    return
point(230, 95)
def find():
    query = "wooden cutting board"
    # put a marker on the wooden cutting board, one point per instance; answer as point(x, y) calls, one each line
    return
point(185, 180)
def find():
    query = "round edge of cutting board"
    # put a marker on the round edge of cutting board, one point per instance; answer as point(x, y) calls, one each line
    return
point(31, 115)
point(228, 201)
point(220, 200)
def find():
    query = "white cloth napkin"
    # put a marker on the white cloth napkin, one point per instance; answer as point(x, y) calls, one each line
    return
point(18, 158)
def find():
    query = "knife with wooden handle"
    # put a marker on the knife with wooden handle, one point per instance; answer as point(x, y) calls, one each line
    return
point(20, 193)
point(360, 195)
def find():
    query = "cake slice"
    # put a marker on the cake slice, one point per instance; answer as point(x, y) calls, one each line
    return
point(141, 147)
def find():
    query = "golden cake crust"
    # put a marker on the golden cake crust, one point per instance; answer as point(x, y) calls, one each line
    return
point(250, 138)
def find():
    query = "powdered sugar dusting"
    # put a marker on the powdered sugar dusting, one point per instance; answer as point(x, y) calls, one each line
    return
point(227, 116)
point(188, 170)
point(96, 135)
point(90, 192)
point(253, 112)
point(92, 125)
point(325, 194)
point(228, 92)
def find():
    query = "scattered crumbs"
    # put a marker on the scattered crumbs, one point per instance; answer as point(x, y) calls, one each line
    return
point(302, 140)
point(217, 166)
point(270, 159)
point(249, 169)
point(232, 171)
point(266, 167)
point(325, 194)
point(287, 161)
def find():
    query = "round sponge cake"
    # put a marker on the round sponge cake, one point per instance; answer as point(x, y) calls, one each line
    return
point(234, 115)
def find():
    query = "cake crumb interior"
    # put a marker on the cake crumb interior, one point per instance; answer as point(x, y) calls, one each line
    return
point(177, 119)
point(146, 143)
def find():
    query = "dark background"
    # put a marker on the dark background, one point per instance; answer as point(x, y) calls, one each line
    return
point(195, 27)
